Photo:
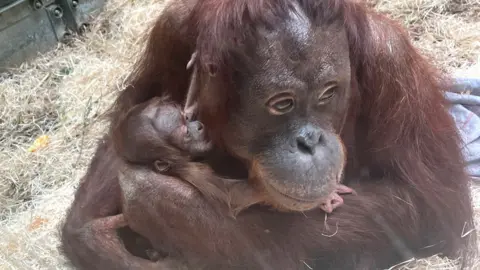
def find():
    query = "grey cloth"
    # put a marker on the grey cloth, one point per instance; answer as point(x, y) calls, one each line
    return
point(465, 110)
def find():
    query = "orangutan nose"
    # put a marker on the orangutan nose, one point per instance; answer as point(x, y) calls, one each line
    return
point(309, 138)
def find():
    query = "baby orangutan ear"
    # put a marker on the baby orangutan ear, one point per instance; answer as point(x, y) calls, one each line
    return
point(161, 166)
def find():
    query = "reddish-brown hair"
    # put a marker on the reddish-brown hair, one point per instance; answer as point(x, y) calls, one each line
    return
point(402, 129)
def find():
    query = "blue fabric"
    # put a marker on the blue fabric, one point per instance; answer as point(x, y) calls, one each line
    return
point(465, 110)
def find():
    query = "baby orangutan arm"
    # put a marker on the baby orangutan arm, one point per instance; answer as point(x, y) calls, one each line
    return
point(238, 194)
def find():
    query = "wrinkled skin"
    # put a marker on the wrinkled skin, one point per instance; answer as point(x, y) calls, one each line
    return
point(290, 112)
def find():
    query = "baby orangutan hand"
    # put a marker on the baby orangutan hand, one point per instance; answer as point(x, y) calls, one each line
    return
point(334, 200)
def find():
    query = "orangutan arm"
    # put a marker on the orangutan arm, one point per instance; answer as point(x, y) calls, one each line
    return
point(364, 231)
point(89, 234)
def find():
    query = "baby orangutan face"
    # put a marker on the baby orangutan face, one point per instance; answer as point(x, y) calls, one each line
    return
point(171, 123)
point(159, 132)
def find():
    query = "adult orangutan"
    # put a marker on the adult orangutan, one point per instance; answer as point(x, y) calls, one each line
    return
point(287, 89)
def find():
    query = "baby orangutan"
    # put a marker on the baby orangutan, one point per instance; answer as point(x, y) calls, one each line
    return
point(159, 134)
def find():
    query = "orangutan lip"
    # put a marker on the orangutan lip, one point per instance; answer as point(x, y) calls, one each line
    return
point(289, 196)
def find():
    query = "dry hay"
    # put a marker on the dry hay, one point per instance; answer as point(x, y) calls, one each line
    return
point(446, 30)
point(63, 94)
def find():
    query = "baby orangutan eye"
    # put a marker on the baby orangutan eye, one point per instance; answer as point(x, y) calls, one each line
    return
point(281, 104)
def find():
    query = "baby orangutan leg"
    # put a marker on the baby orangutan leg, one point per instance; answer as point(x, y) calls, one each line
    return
point(334, 200)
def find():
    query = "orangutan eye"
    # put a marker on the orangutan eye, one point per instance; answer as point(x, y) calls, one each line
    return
point(328, 94)
point(281, 104)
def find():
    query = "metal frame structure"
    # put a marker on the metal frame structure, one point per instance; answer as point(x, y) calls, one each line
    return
point(32, 27)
